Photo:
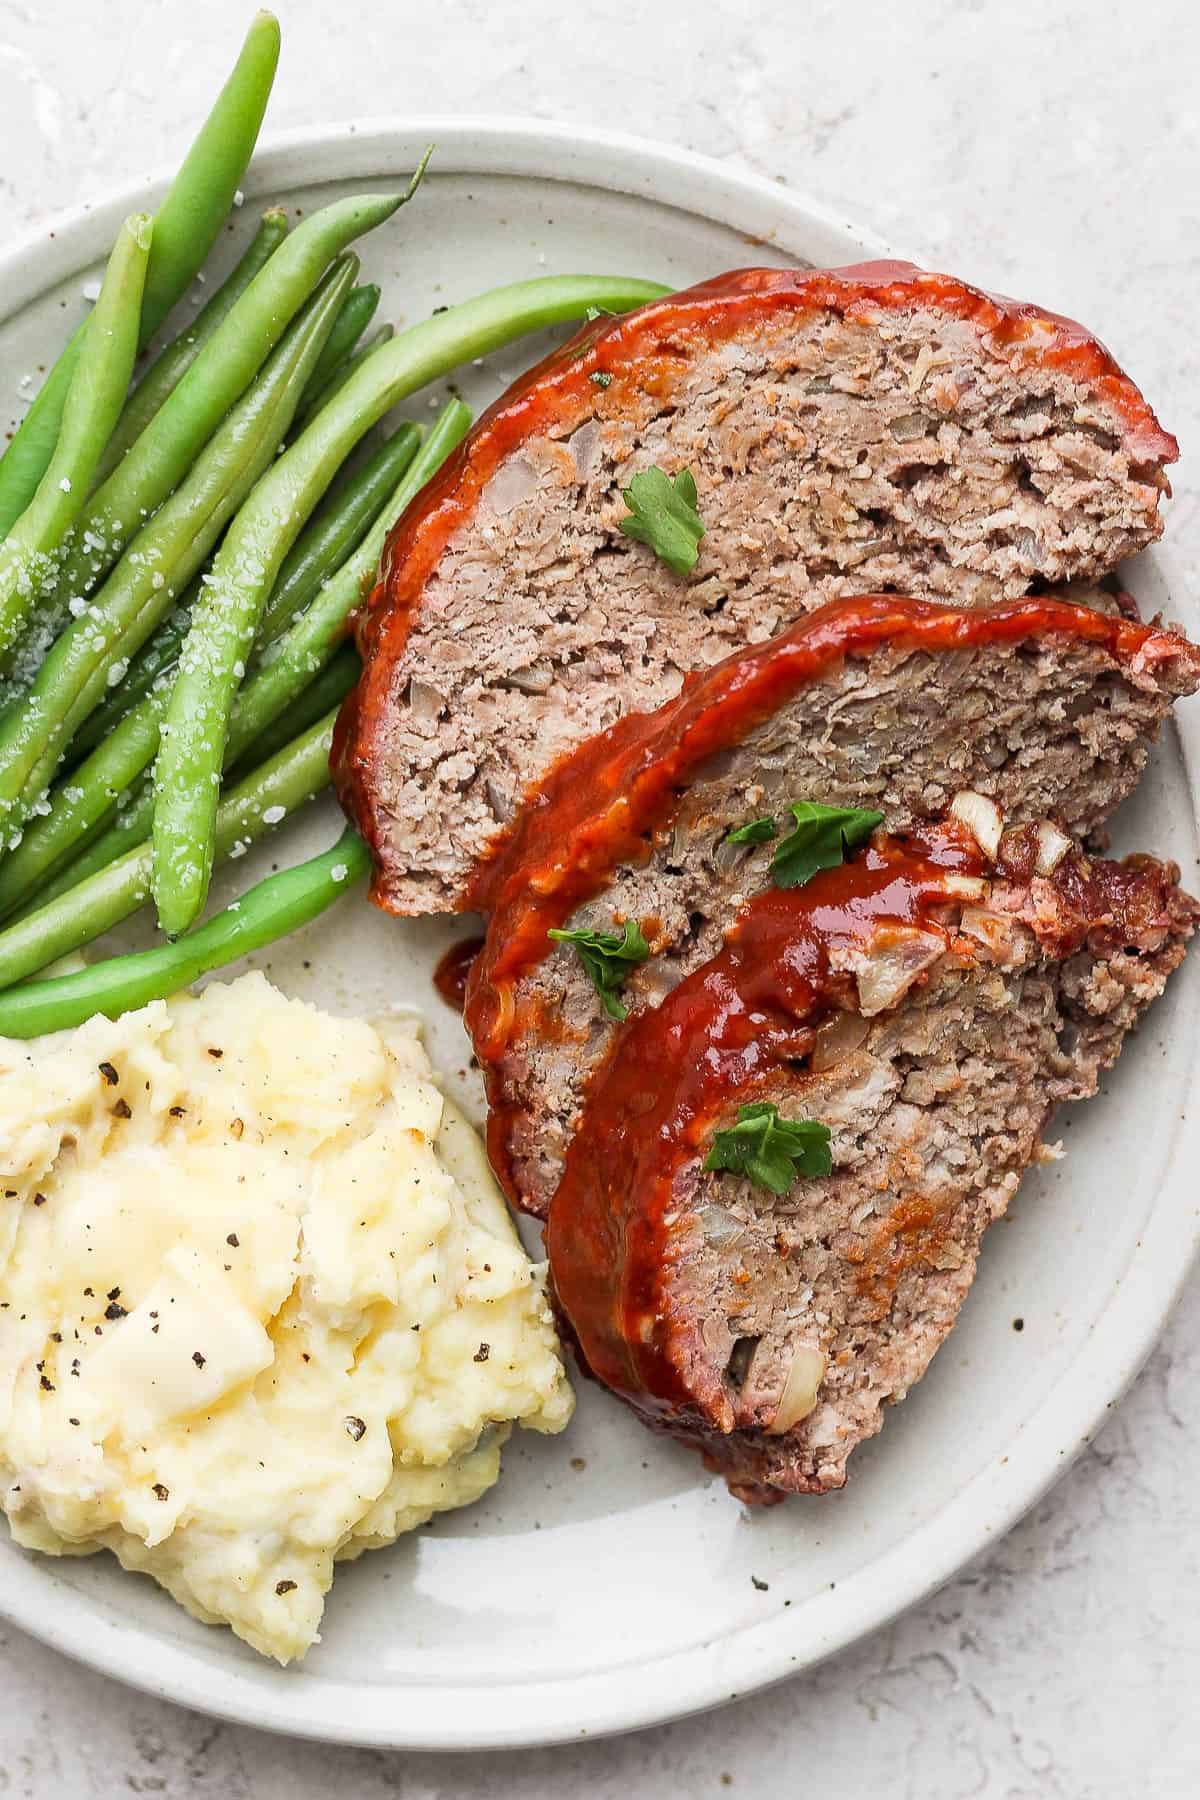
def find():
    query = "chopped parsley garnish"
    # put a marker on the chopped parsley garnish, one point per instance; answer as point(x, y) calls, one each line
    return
point(769, 1150)
point(758, 831)
point(599, 312)
point(607, 957)
point(821, 839)
point(662, 513)
point(600, 378)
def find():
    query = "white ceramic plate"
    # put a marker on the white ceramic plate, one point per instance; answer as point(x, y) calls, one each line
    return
point(607, 1583)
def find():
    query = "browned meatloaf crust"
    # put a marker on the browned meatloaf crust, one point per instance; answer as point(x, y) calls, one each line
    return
point(853, 431)
point(934, 1039)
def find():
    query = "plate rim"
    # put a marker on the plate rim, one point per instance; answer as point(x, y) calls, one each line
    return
point(1118, 1340)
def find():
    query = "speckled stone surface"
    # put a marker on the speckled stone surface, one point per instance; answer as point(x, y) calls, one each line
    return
point(1050, 150)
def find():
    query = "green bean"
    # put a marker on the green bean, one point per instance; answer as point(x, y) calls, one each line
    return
point(297, 662)
point(87, 800)
point(290, 663)
point(163, 558)
point(109, 840)
point(30, 554)
point(302, 652)
point(319, 551)
point(280, 904)
point(271, 792)
point(89, 797)
point(271, 711)
point(358, 309)
point(227, 363)
point(223, 627)
point(327, 688)
point(157, 656)
point(336, 531)
point(164, 375)
point(148, 397)
point(198, 200)
point(340, 375)
point(213, 660)
point(186, 227)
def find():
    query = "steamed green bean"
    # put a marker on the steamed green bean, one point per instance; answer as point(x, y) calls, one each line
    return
point(292, 665)
point(222, 371)
point(341, 372)
point(163, 558)
point(186, 226)
point(167, 371)
point(270, 793)
point(157, 656)
point(334, 531)
point(337, 530)
point(280, 904)
point(358, 309)
point(30, 554)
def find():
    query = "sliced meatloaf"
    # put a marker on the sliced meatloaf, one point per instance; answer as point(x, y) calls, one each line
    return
point(930, 1017)
point(850, 431)
point(880, 703)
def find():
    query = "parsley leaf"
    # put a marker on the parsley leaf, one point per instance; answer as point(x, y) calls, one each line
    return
point(758, 831)
point(608, 957)
point(771, 1151)
point(599, 312)
point(822, 836)
point(662, 513)
point(601, 378)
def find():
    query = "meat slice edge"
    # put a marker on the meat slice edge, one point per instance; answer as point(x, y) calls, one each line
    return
point(850, 432)
point(698, 1308)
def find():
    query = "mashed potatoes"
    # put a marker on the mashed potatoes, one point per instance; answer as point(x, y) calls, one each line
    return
point(261, 1305)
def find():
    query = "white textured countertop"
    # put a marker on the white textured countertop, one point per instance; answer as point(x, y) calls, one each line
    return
point(1044, 149)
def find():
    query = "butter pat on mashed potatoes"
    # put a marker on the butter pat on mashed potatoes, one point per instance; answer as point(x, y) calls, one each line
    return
point(261, 1304)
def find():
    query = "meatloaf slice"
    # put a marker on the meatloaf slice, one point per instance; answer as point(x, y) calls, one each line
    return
point(850, 431)
point(878, 703)
point(931, 1021)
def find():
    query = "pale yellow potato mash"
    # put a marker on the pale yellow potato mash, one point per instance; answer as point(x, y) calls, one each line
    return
point(261, 1304)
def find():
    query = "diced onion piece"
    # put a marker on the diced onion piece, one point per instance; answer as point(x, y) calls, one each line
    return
point(1052, 847)
point(515, 482)
point(1000, 934)
point(799, 1394)
point(982, 818)
point(896, 955)
point(720, 1226)
point(838, 1038)
point(964, 887)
